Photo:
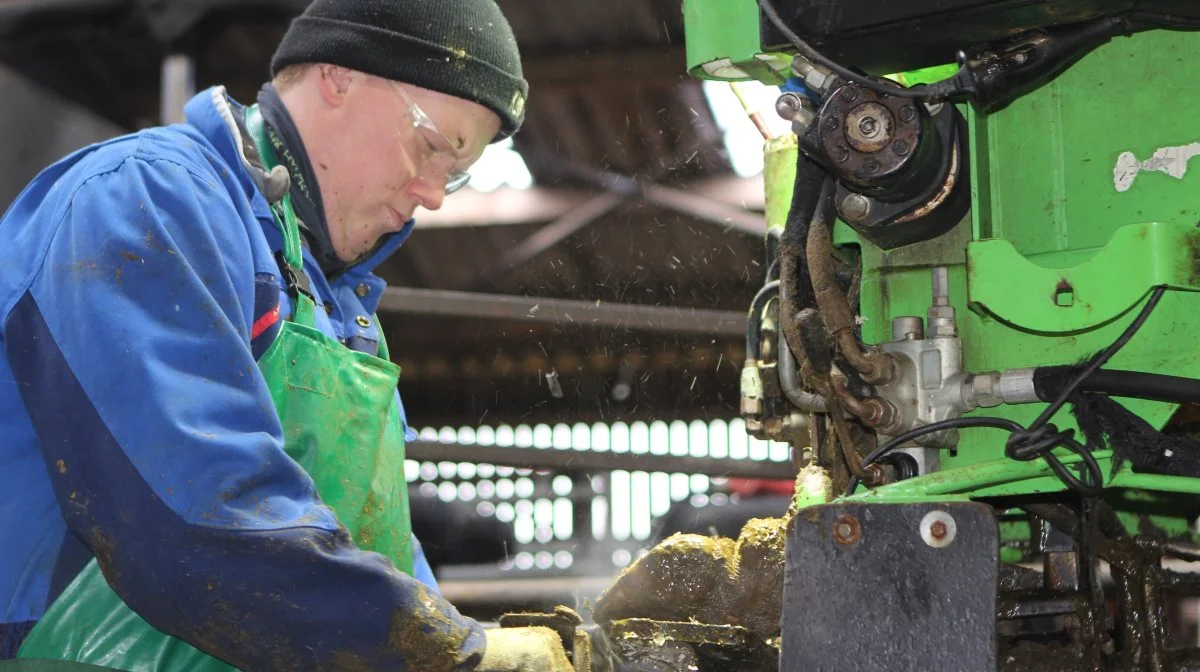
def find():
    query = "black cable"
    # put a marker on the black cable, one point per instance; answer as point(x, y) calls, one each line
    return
point(953, 423)
point(1041, 437)
point(1101, 358)
point(754, 327)
point(937, 91)
point(1090, 488)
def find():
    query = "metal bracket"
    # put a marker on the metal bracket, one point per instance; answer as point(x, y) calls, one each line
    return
point(891, 587)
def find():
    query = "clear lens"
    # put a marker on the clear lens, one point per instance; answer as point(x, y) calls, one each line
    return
point(438, 156)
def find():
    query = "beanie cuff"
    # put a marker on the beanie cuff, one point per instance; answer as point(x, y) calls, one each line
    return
point(408, 59)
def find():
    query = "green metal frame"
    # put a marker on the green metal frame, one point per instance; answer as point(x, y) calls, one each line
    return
point(722, 42)
point(1081, 203)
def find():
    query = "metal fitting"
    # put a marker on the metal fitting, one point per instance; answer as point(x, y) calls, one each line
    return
point(981, 390)
point(1016, 386)
point(815, 77)
point(881, 413)
point(908, 328)
point(751, 388)
point(797, 109)
point(787, 105)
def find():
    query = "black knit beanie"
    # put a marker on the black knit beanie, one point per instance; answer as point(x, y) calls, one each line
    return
point(463, 48)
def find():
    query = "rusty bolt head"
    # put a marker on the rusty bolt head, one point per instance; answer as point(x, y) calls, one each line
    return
point(901, 148)
point(850, 94)
point(908, 113)
point(831, 123)
point(938, 529)
point(846, 530)
point(841, 154)
point(870, 166)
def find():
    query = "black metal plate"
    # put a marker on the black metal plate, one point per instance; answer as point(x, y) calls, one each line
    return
point(890, 36)
point(884, 599)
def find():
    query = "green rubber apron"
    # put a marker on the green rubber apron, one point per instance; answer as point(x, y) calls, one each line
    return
point(340, 422)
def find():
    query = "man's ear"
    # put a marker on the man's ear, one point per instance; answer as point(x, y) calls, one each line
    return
point(333, 82)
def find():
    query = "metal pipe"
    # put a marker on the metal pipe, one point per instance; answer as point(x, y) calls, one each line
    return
point(178, 86)
point(789, 381)
point(871, 475)
point(563, 311)
point(576, 461)
point(873, 411)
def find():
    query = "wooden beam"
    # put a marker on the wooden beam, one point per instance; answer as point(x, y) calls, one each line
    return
point(507, 206)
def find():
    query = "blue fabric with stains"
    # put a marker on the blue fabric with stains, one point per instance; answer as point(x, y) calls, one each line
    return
point(134, 418)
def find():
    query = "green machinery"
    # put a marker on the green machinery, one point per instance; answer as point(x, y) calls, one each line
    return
point(1015, 228)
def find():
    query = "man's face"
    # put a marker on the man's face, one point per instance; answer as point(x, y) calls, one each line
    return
point(379, 161)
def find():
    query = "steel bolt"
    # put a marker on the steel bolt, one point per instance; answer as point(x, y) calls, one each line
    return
point(907, 113)
point(850, 94)
point(938, 529)
point(901, 148)
point(841, 154)
point(831, 123)
point(846, 530)
point(855, 207)
point(868, 126)
point(870, 166)
point(787, 105)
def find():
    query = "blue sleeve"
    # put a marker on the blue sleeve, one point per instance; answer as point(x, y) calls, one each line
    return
point(421, 569)
point(131, 348)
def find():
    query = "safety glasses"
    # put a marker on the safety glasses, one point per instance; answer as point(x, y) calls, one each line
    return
point(438, 156)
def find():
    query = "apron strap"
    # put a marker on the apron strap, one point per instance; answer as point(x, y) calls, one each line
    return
point(290, 259)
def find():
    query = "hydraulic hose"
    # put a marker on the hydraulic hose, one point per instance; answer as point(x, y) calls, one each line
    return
point(876, 367)
point(795, 285)
point(1049, 381)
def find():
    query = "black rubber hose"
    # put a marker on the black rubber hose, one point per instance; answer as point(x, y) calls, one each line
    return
point(795, 283)
point(754, 326)
point(1049, 381)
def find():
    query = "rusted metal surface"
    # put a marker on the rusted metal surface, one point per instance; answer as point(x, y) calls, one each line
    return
point(846, 530)
point(870, 136)
point(673, 646)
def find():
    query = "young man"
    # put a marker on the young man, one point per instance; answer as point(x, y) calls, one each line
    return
point(200, 426)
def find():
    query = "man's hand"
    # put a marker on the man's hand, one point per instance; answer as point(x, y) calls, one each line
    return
point(533, 649)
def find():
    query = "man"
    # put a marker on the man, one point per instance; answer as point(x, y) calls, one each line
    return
point(199, 420)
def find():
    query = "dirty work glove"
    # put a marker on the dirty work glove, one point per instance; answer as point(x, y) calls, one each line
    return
point(532, 649)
